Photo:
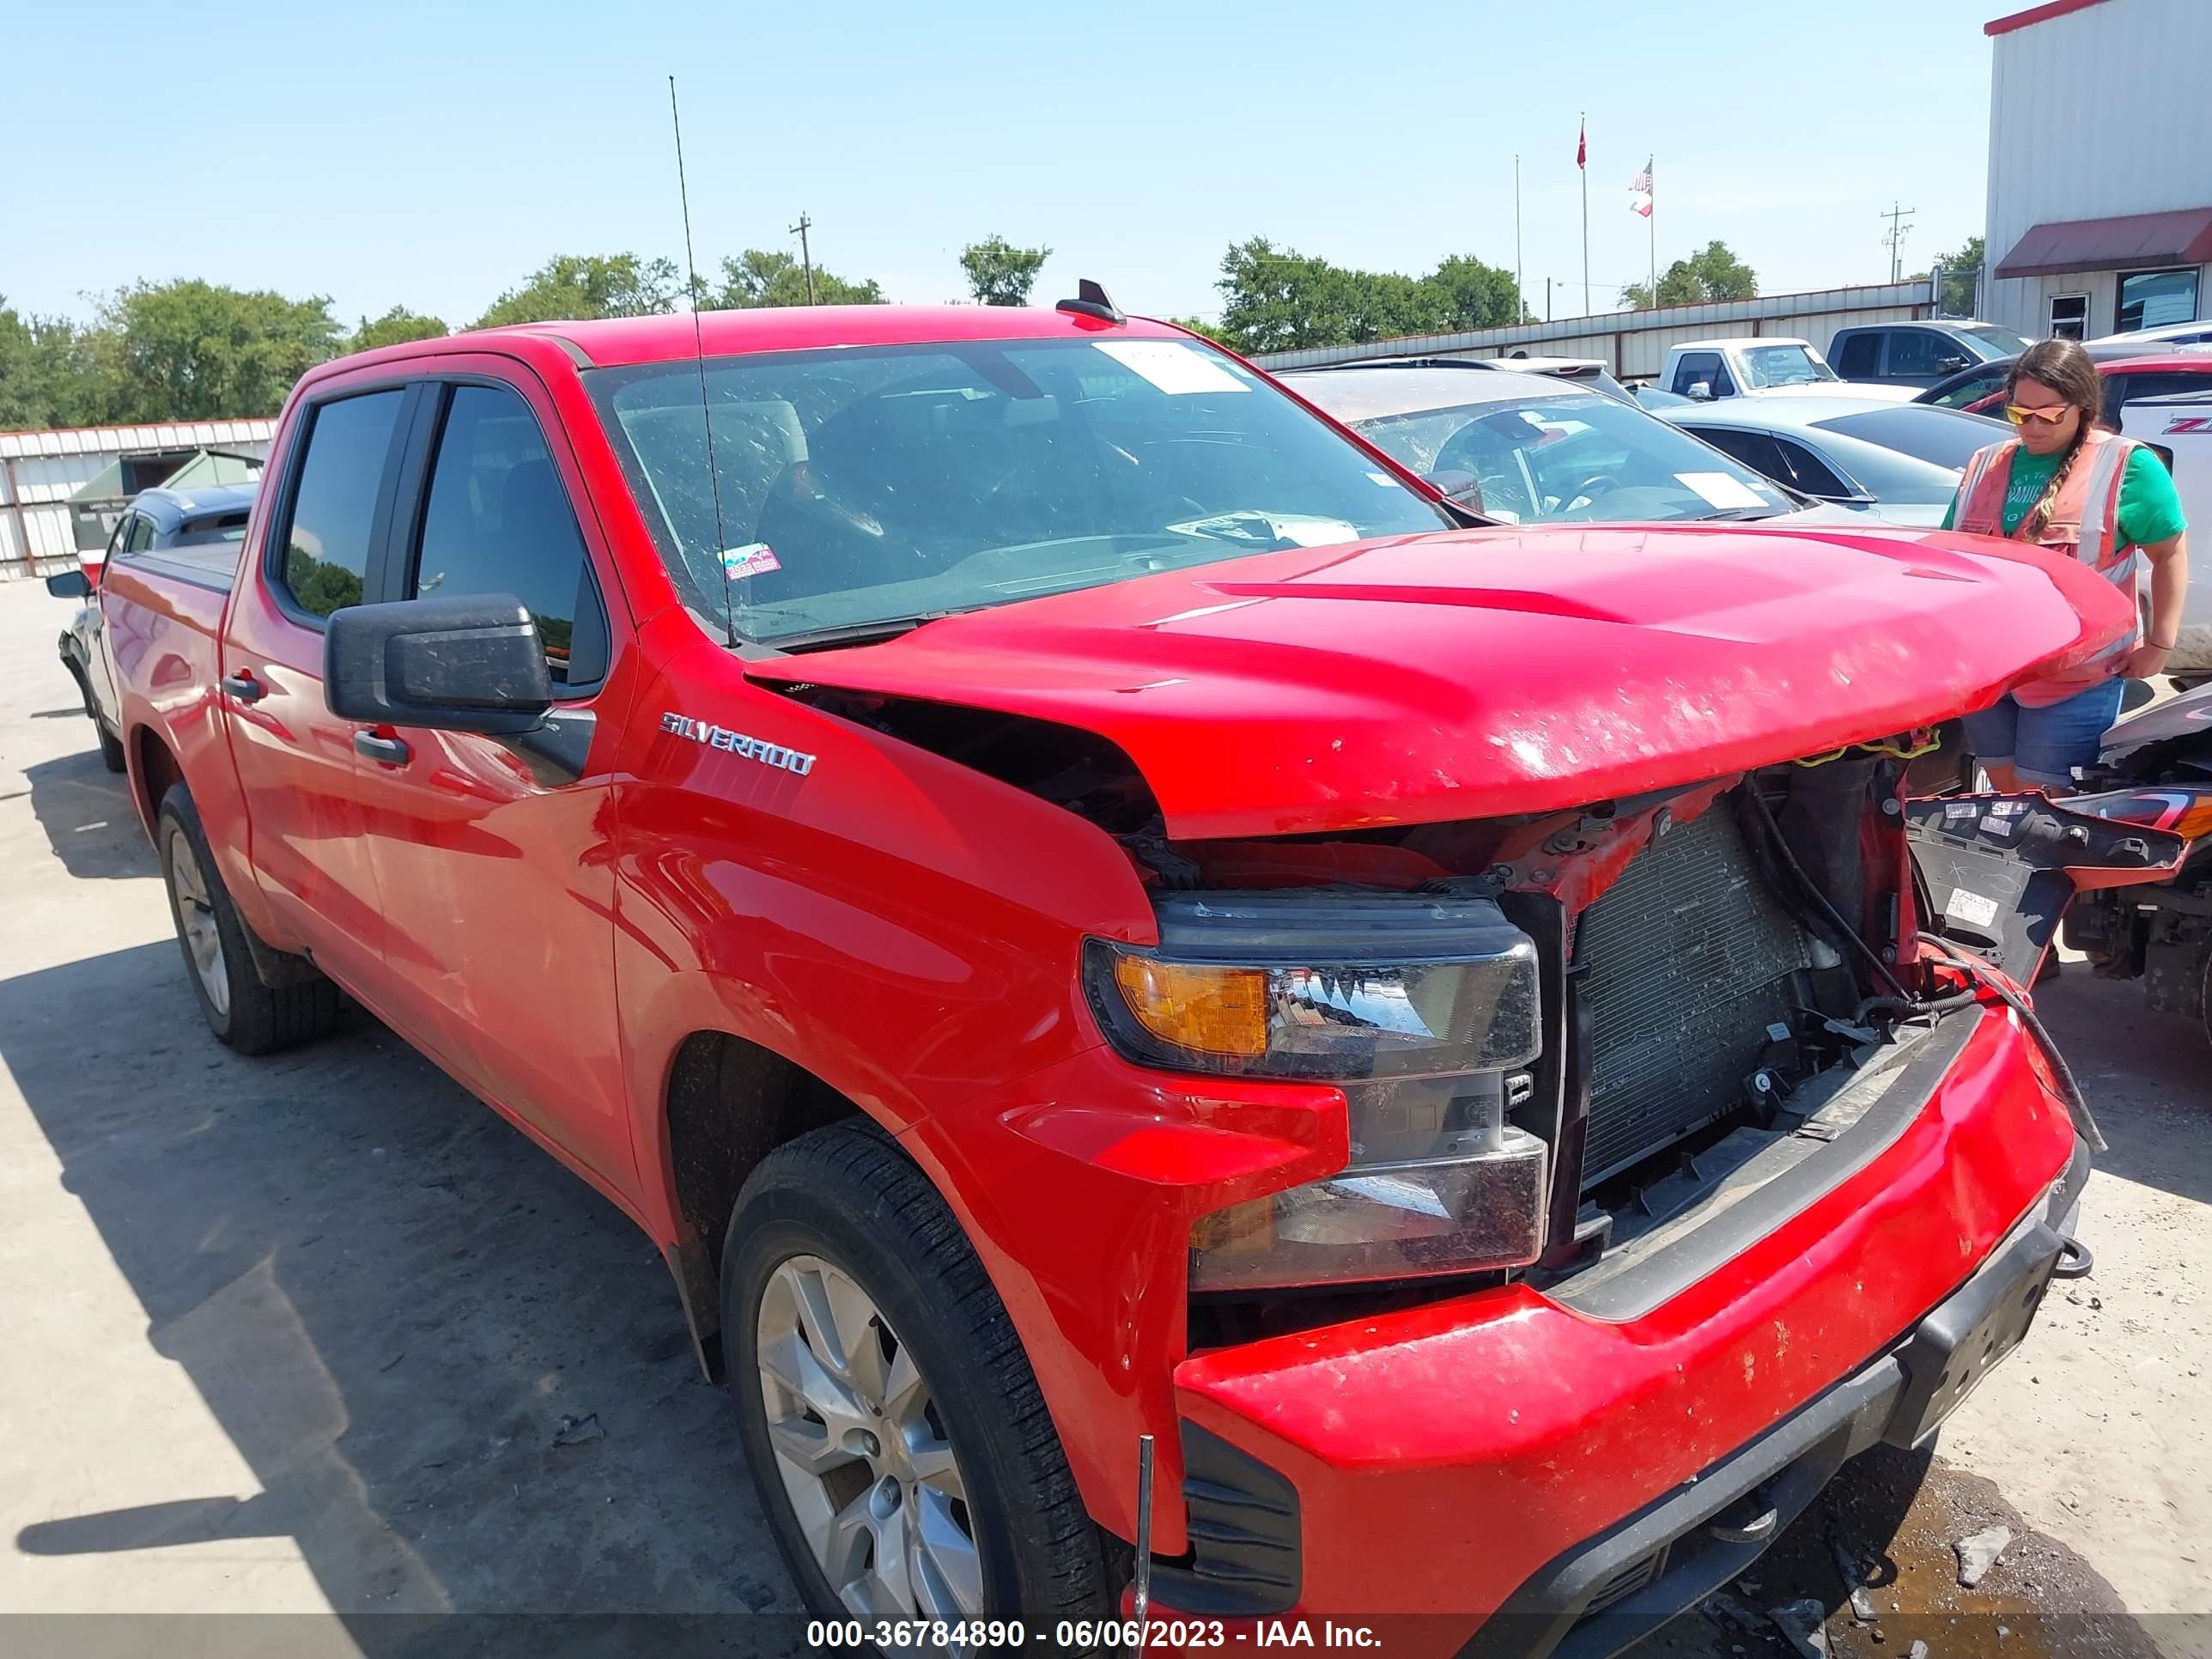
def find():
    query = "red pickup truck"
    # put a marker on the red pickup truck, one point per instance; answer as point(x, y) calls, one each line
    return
point(1075, 900)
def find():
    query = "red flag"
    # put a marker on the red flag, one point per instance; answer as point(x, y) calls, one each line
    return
point(1582, 144)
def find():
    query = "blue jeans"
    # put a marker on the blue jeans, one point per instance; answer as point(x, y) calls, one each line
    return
point(2043, 745)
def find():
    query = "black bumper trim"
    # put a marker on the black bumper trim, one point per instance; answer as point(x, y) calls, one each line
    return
point(1548, 1617)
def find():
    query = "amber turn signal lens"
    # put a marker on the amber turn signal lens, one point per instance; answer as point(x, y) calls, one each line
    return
point(1209, 1011)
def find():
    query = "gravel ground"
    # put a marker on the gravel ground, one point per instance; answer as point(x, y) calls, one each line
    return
point(298, 1336)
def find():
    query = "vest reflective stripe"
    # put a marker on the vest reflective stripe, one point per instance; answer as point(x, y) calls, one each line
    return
point(2083, 522)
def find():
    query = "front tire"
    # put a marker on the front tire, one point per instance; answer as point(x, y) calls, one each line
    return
point(893, 1427)
point(242, 1011)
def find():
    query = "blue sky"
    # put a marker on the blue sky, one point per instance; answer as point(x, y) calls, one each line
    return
point(432, 155)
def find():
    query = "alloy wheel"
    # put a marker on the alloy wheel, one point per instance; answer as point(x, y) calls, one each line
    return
point(862, 1450)
point(195, 917)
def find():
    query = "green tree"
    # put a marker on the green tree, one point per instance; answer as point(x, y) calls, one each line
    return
point(580, 286)
point(759, 276)
point(1713, 272)
point(1962, 277)
point(196, 351)
point(1278, 300)
point(1001, 274)
point(1476, 296)
point(47, 373)
point(395, 327)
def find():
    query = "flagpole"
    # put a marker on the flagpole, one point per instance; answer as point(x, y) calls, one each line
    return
point(1651, 224)
point(1520, 293)
point(1584, 147)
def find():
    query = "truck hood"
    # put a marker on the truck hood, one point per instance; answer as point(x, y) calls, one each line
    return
point(1482, 672)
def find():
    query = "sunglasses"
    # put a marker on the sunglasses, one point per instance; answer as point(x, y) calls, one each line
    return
point(2021, 414)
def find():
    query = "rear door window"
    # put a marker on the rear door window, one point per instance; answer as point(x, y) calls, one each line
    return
point(1810, 473)
point(142, 534)
point(1755, 449)
point(326, 542)
point(1861, 358)
point(498, 520)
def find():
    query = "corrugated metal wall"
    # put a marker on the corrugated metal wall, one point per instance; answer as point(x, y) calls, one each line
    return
point(40, 470)
point(1636, 343)
point(2095, 114)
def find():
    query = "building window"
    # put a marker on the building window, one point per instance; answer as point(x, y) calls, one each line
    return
point(2151, 298)
point(2068, 315)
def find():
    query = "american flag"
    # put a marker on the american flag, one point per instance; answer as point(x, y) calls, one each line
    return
point(1639, 192)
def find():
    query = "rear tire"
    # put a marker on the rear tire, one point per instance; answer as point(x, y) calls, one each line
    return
point(240, 1010)
point(111, 746)
point(915, 1428)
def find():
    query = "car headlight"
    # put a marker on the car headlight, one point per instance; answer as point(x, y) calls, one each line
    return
point(1423, 1009)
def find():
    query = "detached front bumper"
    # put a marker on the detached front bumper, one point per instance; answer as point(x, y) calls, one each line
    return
point(1554, 1473)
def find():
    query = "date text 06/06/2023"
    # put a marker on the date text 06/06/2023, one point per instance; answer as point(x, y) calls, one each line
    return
point(1086, 1635)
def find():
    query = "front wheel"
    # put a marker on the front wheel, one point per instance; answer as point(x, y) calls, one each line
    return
point(893, 1424)
point(242, 1011)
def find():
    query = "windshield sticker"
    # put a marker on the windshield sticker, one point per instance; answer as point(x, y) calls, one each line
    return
point(1177, 369)
point(1386, 480)
point(1971, 907)
point(753, 559)
point(1720, 490)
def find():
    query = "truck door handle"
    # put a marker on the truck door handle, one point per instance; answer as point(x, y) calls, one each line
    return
point(243, 686)
point(384, 752)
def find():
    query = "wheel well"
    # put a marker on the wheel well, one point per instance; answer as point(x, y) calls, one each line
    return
point(157, 773)
point(730, 1104)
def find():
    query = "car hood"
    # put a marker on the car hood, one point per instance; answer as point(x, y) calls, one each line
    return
point(1475, 673)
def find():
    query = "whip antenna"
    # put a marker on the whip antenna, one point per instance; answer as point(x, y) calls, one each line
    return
point(699, 352)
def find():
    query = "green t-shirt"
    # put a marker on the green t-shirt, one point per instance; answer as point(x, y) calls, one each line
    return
point(2150, 507)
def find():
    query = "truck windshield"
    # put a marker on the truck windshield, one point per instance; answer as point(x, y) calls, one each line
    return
point(1783, 364)
point(864, 485)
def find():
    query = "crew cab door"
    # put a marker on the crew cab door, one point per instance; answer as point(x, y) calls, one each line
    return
point(295, 760)
point(494, 855)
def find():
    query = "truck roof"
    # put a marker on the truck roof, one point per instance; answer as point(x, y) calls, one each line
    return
point(617, 340)
point(1728, 343)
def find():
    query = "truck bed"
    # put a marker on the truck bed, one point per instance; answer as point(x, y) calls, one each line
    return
point(211, 565)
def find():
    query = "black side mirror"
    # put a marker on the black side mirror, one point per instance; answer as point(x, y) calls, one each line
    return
point(459, 665)
point(1951, 365)
point(70, 585)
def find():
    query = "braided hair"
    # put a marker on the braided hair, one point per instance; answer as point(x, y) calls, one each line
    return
point(2067, 370)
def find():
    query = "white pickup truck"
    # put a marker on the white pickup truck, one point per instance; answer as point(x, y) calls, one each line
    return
point(2181, 428)
point(1726, 368)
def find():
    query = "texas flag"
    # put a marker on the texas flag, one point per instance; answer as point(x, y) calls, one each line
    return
point(1640, 192)
point(1582, 144)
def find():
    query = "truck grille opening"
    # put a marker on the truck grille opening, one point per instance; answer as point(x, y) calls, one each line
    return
point(1684, 962)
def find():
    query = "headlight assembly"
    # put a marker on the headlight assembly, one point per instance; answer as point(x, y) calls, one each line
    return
point(1423, 1009)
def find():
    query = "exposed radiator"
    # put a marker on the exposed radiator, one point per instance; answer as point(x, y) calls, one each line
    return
point(1685, 960)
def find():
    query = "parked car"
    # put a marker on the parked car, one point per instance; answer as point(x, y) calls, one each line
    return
point(2178, 425)
point(1981, 388)
point(1524, 449)
point(1919, 354)
point(1075, 904)
point(2166, 334)
point(194, 528)
point(1710, 369)
point(1897, 462)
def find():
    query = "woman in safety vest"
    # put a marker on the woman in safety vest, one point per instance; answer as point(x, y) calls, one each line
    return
point(2067, 484)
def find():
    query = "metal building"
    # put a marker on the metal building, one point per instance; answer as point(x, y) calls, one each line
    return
point(1636, 343)
point(62, 491)
point(2100, 166)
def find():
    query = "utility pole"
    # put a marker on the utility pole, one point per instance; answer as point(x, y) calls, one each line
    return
point(805, 256)
point(1899, 225)
point(1519, 292)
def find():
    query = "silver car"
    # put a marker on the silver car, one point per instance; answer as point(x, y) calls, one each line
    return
point(1530, 449)
point(1898, 463)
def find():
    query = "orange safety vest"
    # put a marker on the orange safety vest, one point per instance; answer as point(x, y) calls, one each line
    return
point(2083, 524)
